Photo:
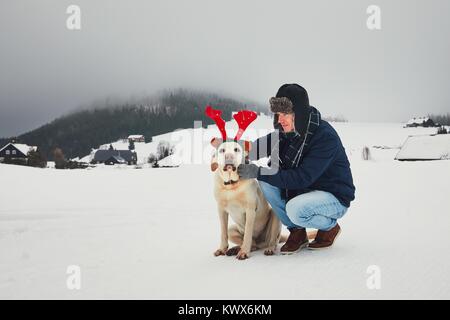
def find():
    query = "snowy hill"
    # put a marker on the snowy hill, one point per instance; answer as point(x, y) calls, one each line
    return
point(186, 140)
point(151, 233)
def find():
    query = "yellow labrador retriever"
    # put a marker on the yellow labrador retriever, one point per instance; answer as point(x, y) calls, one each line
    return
point(256, 225)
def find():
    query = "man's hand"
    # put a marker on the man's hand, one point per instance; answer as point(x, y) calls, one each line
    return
point(248, 171)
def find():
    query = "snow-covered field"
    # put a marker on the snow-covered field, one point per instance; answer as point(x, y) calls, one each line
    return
point(151, 233)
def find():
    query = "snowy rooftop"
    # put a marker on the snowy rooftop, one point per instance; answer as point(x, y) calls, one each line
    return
point(24, 148)
point(419, 120)
point(425, 147)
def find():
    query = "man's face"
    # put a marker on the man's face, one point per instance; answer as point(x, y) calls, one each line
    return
point(286, 120)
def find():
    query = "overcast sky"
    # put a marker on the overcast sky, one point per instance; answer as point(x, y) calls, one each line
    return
point(245, 48)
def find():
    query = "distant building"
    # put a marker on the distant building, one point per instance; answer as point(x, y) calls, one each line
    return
point(425, 147)
point(115, 160)
point(420, 122)
point(15, 151)
point(114, 157)
point(136, 138)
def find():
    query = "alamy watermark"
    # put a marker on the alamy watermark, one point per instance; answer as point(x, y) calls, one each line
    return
point(193, 146)
point(73, 22)
point(73, 281)
point(373, 282)
point(374, 19)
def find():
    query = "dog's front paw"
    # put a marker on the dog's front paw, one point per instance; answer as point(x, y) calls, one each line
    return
point(242, 255)
point(269, 252)
point(220, 252)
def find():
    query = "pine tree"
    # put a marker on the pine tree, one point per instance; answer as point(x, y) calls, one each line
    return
point(36, 159)
point(442, 130)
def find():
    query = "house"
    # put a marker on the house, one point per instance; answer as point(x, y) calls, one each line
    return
point(115, 160)
point(136, 138)
point(102, 156)
point(420, 122)
point(425, 147)
point(15, 151)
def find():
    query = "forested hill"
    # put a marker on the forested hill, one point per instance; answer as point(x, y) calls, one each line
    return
point(78, 132)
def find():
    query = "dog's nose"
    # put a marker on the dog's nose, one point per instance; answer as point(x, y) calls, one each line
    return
point(229, 157)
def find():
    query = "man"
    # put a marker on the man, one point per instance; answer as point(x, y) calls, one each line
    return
point(313, 186)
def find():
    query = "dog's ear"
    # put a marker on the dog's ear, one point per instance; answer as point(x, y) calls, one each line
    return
point(214, 166)
point(214, 163)
point(216, 142)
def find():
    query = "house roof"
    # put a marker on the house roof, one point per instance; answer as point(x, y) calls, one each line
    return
point(24, 148)
point(419, 120)
point(103, 155)
point(119, 159)
point(425, 147)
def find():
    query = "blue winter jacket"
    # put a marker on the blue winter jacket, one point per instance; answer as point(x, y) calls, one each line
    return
point(324, 166)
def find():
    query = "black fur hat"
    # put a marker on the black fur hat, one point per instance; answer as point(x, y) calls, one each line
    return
point(281, 104)
point(291, 98)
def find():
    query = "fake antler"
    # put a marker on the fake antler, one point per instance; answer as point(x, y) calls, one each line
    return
point(243, 118)
point(215, 115)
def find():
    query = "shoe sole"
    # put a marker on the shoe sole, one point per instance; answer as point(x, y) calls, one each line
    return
point(287, 253)
point(322, 248)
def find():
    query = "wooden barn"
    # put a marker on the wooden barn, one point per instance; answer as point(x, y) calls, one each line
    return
point(15, 151)
point(136, 138)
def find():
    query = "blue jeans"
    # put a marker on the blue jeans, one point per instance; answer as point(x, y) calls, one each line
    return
point(316, 209)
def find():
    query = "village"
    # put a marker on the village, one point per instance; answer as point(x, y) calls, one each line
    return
point(122, 152)
point(136, 152)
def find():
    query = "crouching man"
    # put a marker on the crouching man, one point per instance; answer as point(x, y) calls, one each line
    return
point(313, 185)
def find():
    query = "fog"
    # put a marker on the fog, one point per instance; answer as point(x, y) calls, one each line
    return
point(239, 48)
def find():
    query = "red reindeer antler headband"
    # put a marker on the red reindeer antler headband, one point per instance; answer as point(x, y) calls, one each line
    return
point(243, 119)
point(215, 115)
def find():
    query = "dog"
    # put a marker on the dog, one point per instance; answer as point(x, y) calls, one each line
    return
point(256, 225)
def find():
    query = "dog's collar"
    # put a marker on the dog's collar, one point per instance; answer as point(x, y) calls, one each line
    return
point(230, 182)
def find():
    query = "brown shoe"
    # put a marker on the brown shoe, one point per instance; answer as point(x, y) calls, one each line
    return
point(296, 241)
point(325, 239)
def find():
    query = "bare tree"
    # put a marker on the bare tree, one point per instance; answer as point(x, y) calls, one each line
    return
point(58, 157)
point(164, 149)
point(152, 158)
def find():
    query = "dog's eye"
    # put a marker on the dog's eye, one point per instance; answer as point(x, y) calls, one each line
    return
point(236, 150)
point(222, 150)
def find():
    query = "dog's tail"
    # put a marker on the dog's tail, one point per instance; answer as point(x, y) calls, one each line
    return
point(311, 236)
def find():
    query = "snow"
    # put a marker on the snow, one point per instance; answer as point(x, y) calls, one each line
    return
point(427, 147)
point(151, 233)
point(135, 136)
